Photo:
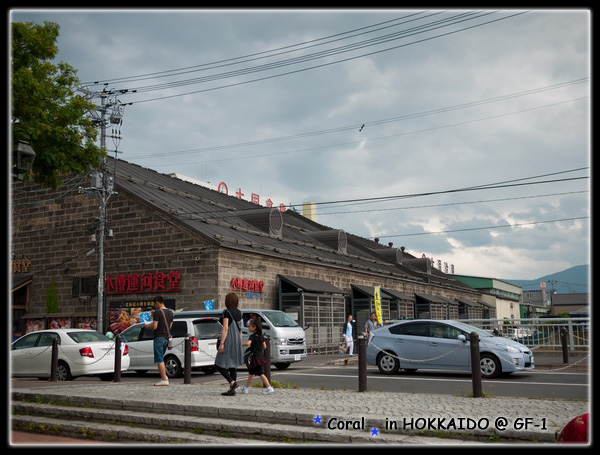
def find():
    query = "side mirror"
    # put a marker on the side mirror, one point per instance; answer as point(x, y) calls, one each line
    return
point(462, 338)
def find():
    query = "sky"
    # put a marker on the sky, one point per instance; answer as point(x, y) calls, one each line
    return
point(461, 135)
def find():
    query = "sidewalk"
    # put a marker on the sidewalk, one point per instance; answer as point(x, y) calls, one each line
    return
point(314, 415)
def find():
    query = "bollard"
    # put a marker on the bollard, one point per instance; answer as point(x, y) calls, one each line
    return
point(475, 365)
point(187, 360)
point(54, 361)
point(564, 340)
point(362, 364)
point(267, 354)
point(118, 358)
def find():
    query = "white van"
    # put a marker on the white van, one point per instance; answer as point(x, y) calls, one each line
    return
point(288, 340)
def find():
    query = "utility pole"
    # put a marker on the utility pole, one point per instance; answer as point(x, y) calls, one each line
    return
point(109, 112)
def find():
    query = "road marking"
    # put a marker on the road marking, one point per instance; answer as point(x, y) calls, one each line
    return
point(421, 378)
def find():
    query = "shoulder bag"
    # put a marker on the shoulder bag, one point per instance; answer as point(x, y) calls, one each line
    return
point(170, 344)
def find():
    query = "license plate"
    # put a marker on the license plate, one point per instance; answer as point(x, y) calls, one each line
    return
point(297, 357)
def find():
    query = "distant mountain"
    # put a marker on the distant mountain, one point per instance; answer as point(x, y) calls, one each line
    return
point(573, 280)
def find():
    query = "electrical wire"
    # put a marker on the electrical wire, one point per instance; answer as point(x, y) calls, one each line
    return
point(432, 26)
point(449, 231)
point(377, 122)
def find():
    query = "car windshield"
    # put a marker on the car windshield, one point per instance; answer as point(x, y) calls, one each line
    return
point(87, 337)
point(280, 319)
point(471, 328)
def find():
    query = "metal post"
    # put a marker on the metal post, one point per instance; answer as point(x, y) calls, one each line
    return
point(187, 360)
point(267, 354)
point(564, 340)
point(475, 365)
point(54, 361)
point(118, 358)
point(362, 364)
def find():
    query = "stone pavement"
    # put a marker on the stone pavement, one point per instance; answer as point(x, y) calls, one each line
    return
point(305, 415)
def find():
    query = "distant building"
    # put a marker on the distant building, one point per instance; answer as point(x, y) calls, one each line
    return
point(535, 303)
point(504, 297)
point(575, 305)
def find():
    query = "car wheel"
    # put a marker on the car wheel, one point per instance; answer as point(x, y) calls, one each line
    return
point(282, 365)
point(490, 366)
point(173, 367)
point(63, 373)
point(388, 363)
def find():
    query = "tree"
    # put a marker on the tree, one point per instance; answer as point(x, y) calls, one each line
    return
point(51, 298)
point(46, 111)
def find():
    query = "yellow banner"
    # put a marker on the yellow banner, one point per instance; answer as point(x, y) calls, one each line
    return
point(377, 302)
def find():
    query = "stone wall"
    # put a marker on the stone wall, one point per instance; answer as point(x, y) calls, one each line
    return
point(53, 230)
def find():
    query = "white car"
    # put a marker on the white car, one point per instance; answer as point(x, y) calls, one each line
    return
point(81, 352)
point(203, 331)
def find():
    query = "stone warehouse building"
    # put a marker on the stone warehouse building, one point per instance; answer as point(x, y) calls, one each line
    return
point(193, 245)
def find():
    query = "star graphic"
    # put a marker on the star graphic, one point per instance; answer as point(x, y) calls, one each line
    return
point(317, 419)
point(374, 432)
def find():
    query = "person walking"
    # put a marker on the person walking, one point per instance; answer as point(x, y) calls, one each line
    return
point(257, 357)
point(349, 333)
point(161, 324)
point(371, 325)
point(229, 354)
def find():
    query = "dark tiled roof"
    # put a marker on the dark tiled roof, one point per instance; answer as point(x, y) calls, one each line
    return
point(234, 223)
point(312, 285)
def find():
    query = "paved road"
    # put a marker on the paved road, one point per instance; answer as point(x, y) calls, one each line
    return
point(532, 385)
point(317, 373)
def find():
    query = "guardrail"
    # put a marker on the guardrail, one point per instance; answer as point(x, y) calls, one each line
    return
point(537, 333)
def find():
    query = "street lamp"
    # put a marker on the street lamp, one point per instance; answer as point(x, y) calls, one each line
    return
point(23, 156)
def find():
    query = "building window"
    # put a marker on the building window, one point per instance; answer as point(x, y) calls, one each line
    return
point(85, 286)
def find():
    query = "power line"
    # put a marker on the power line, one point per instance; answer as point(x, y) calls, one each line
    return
point(374, 122)
point(222, 213)
point(449, 204)
point(245, 58)
point(318, 55)
point(456, 190)
point(255, 69)
point(484, 227)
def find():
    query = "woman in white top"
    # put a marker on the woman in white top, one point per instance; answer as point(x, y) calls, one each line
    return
point(349, 333)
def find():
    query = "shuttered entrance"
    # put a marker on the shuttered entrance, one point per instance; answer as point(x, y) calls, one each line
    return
point(319, 307)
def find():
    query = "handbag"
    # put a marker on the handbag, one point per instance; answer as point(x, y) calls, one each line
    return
point(257, 361)
point(170, 343)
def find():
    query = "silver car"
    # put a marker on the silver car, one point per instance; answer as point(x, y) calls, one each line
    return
point(443, 345)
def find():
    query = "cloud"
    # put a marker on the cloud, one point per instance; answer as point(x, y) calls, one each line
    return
point(500, 101)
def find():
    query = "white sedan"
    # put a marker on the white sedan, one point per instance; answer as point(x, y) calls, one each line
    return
point(81, 352)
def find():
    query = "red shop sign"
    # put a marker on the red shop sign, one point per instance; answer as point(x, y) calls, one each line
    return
point(246, 285)
point(140, 283)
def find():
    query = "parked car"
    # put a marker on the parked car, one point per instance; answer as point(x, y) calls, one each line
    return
point(443, 345)
point(81, 352)
point(288, 340)
point(203, 331)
